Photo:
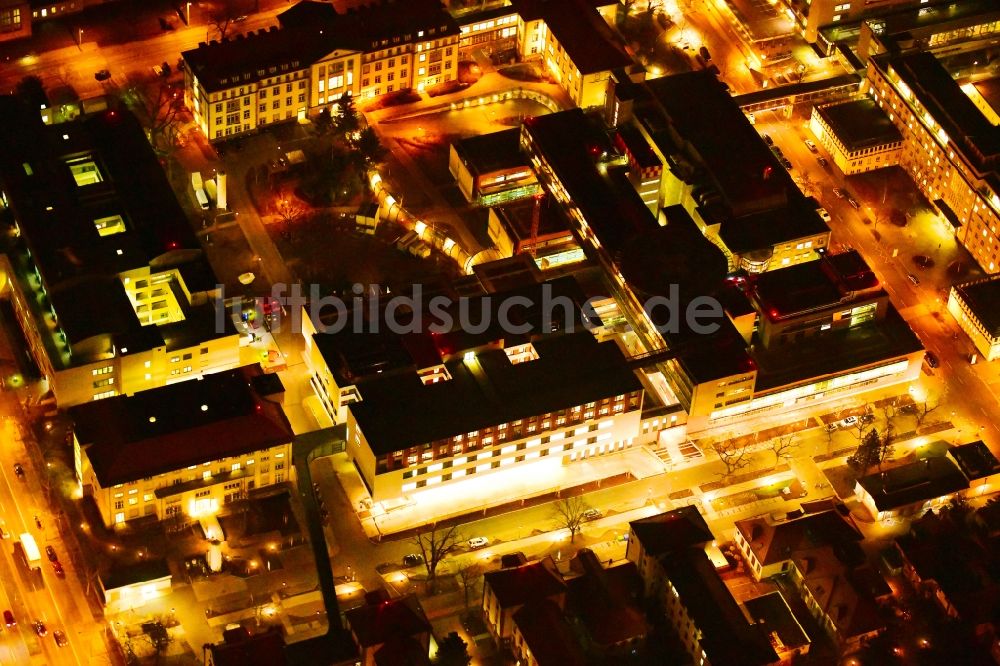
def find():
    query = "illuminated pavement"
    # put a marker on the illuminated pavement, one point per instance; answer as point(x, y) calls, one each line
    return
point(61, 603)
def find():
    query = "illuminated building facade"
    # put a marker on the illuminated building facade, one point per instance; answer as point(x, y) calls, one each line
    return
point(950, 147)
point(15, 19)
point(255, 80)
point(858, 135)
point(425, 410)
point(184, 450)
point(975, 305)
point(721, 378)
point(117, 297)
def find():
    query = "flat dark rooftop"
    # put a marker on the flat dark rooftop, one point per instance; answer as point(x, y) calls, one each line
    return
point(572, 144)
point(834, 352)
point(590, 42)
point(132, 574)
point(794, 220)
point(773, 613)
point(941, 96)
point(923, 480)
point(680, 528)
point(57, 217)
point(860, 124)
point(975, 460)
point(823, 283)
point(677, 254)
point(486, 153)
point(128, 438)
point(726, 635)
point(352, 356)
point(983, 299)
point(398, 411)
point(704, 115)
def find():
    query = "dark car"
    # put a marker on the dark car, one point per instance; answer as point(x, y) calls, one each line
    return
point(822, 161)
point(932, 359)
point(60, 637)
point(786, 163)
point(51, 553)
point(854, 202)
point(102, 75)
point(8, 619)
point(767, 139)
point(413, 559)
point(840, 192)
point(704, 53)
point(39, 627)
point(57, 569)
point(18, 470)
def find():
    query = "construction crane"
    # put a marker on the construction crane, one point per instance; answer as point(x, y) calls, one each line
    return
point(536, 215)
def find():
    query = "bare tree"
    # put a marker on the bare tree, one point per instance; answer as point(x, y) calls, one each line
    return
point(158, 109)
point(806, 183)
point(924, 408)
point(223, 14)
point(434, 546)
point(733, 455)
point(569, 511)
point(783, 446)
point(469, 576)
point(891, 410)
point(288, 208)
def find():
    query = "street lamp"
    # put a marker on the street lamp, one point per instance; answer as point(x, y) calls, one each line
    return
point(187, 13)
point(79, 41)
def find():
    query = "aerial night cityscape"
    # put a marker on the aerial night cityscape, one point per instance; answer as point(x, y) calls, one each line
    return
point(500, 332)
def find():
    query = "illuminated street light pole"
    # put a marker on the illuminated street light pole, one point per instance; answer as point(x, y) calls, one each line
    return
point(79, 41)
point(187, 13)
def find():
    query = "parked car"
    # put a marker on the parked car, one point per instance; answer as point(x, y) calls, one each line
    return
point(50, 552)
point(39, 627)
point(843, 423)
point(785, 162)
point(767, 139)
point(158, 70)
point(752, 118)
point(823, 214)
point(811, 146)
point(854, 202)
point(704, 53)
point(478, 542)
point(413, 559)
point(18, 470)
point(102, 75)
point(932, 359)
point(60, 637)
point(57, 569)
point(822, 161)
point(592, 514)
point(913, 278)
point(8, 619)
point(840, 192)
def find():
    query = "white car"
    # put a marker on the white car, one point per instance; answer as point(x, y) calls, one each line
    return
point(823, 214)
point(478, 542)
point(810, 145)
point(843, 423)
